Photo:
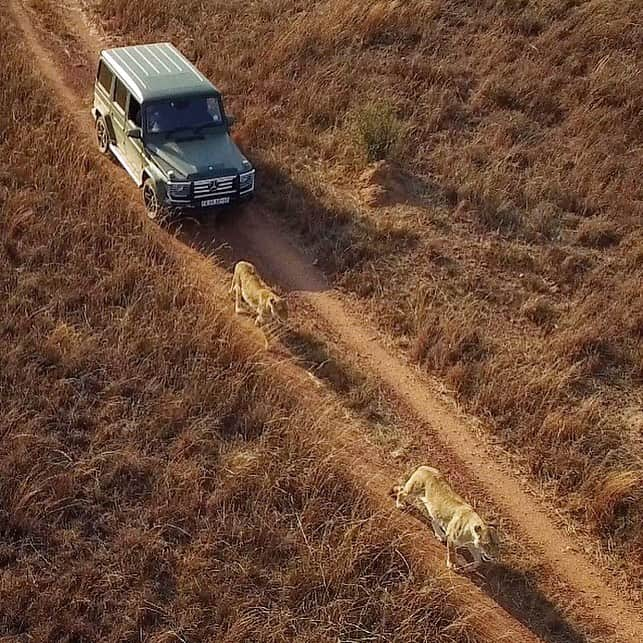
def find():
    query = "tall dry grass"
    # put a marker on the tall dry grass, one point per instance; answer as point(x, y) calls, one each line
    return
point(155, 481)
point(524, 150)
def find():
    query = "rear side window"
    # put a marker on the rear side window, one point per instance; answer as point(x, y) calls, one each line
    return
point(105, 76)
point(134, 111)
point(120, 94)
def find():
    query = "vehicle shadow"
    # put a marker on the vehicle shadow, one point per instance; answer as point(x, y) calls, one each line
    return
point(246, 234)
point(337, 238)
point(342, 237)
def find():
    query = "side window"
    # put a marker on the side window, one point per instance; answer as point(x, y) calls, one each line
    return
point(134, 111)
point(120, 94)
point(105, 76)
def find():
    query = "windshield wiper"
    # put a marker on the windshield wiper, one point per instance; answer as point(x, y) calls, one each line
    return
point(199, 128)
point(174, 130)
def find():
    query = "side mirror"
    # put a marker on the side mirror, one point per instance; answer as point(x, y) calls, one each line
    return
point(135, 132)
point(231, 120)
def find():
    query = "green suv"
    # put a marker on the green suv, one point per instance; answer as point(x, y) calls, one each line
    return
point(165, 123)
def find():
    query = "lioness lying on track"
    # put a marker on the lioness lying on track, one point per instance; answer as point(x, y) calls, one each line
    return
point(452, 518)
point(251, 290)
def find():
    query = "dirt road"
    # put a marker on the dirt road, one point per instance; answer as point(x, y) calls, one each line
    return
point(260, 240)
point(256, 237)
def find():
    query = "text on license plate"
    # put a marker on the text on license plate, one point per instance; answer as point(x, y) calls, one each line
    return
point(220, 201)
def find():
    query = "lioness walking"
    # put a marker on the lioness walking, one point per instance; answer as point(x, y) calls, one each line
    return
point(250, 290)
point(453, 519)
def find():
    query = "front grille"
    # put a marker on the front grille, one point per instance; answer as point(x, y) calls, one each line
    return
point(213, 187)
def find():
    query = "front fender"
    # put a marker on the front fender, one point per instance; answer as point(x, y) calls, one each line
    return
point(159, 179)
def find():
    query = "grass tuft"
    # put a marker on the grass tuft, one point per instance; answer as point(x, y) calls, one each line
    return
point(380, 131)
point(598, 233)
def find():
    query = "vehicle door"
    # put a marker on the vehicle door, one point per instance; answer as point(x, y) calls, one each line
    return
point(132, 146)
point(119, 105)
point(129, 151)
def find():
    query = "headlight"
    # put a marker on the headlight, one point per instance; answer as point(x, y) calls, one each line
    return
point(247, 181)
point(178, 190)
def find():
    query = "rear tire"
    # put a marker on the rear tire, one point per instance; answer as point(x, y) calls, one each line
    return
point(102, 136)
point(151, 200)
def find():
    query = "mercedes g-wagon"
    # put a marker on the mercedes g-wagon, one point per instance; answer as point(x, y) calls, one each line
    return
point(165, 123)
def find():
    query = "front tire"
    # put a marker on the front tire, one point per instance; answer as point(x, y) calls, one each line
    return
point(102, 135)
point(151, 200)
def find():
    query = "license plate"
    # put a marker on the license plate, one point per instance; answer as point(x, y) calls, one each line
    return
point(220, 201)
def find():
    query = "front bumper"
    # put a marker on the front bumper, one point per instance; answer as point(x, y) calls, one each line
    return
point(211, 202)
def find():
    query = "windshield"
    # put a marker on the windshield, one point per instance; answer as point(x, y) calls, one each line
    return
point(182, 113)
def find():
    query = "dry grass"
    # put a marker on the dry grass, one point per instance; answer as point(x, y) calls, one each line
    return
point(379, 131)
point(526, 132)
point(155, 481)
point(362, 395)
point(597, 233)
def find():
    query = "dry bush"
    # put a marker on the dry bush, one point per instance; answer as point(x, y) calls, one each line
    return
point(597, 233)
point(453, 343)
point(156, 481)
point(504, 218)
point(570, 424)
point(545, 221)
point(618, 499)
point(379, 130)
point(573, 267)
point(540, 311)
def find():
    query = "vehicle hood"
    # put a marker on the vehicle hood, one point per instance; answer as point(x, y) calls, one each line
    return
point(203, 157)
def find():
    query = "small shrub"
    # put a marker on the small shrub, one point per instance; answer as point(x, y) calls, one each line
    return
point(573, 267)
point(528, 24)
point(503, 96)
point(540, 311)
point(566, 424)
point(597, 233)
point(505, 218)
point(463, 378)
point(546, 108)
point(448, 338)
point(618, 499)
point(596, 352)
point(544, 221)
point(512, 256)
point(380, 131)
point(634, 255)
